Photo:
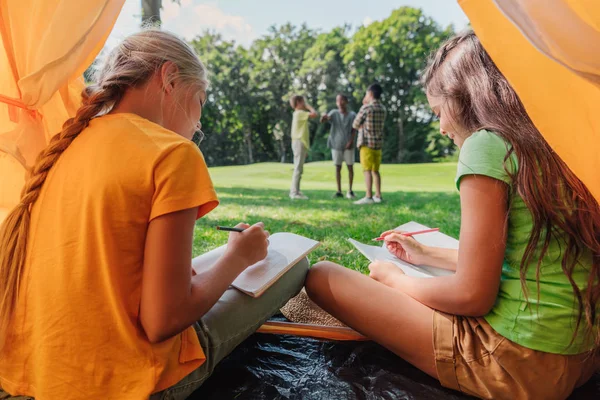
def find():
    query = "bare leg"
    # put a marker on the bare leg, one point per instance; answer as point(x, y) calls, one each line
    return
point(338, 177)
point(377, 179)
point(369, 183)
point(388, 316)
point(350, 177)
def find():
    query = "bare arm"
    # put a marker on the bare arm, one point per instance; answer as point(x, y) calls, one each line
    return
point(473, 289)
point(313, 113)
point(173, 299)
point(441, 258)
point(408, 249)
point(352, 138)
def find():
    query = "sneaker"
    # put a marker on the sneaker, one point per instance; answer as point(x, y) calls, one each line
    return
point(350, 195)
point(338, 194)
point(364, 200)
point(377, 199)
point(298, 196)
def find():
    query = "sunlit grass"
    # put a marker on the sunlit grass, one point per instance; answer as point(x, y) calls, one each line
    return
point(420, 192)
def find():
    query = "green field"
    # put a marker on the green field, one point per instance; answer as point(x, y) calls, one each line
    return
point(420, 192)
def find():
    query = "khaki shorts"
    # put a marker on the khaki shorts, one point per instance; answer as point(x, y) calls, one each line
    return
point(370, 159)
point(342, 156)
point(472, 358)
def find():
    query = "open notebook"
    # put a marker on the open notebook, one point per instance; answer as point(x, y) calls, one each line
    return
point(285, 250)
point(436, 239)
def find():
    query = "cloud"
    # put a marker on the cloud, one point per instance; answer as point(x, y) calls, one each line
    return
point(189, 20)
point(230, 26)
point(170, 10)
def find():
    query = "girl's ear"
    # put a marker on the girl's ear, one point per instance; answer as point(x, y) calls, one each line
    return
point(168, 73)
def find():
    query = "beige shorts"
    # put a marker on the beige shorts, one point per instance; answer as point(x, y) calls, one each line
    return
point(472, 358)
point(343, 156)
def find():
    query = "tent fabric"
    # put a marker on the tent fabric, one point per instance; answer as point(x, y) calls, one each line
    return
point(46, 45)
point(550, 53)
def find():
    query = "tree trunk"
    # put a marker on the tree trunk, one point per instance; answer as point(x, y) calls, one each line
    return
point(282, 150)
point(151, 12)
point(401, 140)
point(248, 140)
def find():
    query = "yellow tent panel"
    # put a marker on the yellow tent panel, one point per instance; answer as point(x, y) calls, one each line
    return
point(45, 45)
point(550, 53)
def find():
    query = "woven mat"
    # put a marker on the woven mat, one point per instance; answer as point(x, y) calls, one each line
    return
point(302, 309)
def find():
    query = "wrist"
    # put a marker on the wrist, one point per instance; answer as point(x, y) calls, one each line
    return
point(395, 279)
point(426, 256)
point(235, 261)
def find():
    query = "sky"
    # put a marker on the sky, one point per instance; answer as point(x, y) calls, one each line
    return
point(246, 20)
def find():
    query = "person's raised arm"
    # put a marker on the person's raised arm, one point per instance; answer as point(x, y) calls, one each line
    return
point(172, 299)
point(360, 118)
point(313, 113)
point(473, 289)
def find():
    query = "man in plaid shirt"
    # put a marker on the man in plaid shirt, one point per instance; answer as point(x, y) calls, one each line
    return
point(369, 122)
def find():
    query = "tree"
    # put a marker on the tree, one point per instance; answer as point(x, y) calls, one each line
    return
point(151, 12)
point(322, 76)
point(225, 117)
point(275, 59)
point(393, 52)
point(248, 117)
point(323, 73)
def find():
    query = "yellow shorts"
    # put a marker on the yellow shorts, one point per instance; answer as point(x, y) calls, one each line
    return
point(370, 159)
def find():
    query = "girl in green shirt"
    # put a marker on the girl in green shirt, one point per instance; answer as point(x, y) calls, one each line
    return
point(518, 319)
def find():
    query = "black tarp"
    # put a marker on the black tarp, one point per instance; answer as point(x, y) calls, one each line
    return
point(273, 367)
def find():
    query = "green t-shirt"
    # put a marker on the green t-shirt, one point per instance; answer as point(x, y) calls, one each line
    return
point(545, 324)
point(300, 127)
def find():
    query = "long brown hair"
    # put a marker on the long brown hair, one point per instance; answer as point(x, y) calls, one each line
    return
point(480, 97)
point(129, 65)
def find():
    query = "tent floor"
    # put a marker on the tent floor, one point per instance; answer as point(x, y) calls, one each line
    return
point(287, 367)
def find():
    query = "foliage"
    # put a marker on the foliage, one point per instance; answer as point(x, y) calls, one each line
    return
point(393, 53)
point(248, 116)
point(440, 147)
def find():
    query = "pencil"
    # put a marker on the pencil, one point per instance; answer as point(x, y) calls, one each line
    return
point(412, 233)
point(229, 229)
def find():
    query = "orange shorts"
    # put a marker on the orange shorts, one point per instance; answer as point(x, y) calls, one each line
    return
point(472, 358)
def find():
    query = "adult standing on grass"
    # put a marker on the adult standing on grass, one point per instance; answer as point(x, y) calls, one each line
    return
point(341, 142)
point(300, 141)
point(369, 123)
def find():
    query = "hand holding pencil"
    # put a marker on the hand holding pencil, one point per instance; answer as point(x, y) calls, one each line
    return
point(247, 243)
point(405, 247)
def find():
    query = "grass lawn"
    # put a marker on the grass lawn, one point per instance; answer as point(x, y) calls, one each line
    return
point(419, 192)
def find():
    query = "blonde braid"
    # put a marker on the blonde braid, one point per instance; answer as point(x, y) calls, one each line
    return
point(15, 229)
point(129, 65)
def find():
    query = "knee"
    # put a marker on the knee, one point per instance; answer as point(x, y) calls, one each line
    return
point(317, 280)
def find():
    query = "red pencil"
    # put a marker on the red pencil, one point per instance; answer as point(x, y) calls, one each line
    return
point(412, 233)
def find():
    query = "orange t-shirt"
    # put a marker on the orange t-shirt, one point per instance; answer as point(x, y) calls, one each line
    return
point(76, 331)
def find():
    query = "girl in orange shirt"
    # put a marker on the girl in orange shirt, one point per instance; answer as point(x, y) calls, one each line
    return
point(98, 298)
